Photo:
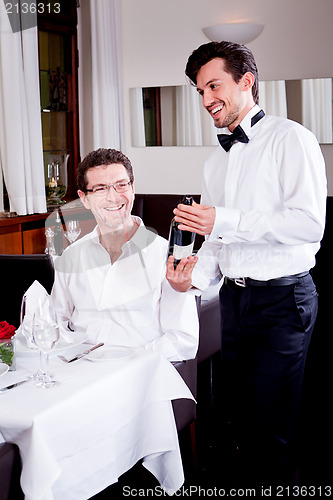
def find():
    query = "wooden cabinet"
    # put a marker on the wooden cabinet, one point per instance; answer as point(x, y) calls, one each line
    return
point(10, 239)
point(26, 234)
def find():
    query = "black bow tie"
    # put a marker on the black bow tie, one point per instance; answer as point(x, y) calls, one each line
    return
point(227, 140)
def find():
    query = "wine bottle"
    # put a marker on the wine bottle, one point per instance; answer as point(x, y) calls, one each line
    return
point(181, 243)
point(58, 235)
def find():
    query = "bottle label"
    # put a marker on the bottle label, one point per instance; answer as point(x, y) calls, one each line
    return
point(180, 252)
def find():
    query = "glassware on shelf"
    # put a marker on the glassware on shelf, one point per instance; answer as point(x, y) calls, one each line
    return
point(58, 234)
point(49, 249)
point(73, 230)
point(55, 178)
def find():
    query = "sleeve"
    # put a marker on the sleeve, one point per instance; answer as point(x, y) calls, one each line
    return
point(303, 199)
point(207, 269)
point(180, 325)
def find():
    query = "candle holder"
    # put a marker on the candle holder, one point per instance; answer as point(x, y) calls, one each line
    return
point(56, 179)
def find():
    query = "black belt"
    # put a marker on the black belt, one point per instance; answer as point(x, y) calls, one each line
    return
point(283, 281)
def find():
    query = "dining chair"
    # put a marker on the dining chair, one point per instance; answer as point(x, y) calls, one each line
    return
point(210, 329)
point(18, 272)
point(209, 350)
point(10, 471)
point(185, 410)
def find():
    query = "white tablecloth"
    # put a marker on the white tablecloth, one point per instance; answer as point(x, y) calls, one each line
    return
point(103, 416)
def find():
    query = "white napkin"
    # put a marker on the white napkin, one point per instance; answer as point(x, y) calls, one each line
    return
point(37, 299)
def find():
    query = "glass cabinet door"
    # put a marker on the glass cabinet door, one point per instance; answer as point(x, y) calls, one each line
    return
point(57, 32)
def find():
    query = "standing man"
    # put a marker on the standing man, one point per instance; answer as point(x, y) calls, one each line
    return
point(263, 214)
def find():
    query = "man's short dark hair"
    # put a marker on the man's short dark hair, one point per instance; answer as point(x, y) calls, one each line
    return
point(99, 157)
point(238, 61)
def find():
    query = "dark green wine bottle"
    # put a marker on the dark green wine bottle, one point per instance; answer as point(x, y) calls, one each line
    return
point(181, 243)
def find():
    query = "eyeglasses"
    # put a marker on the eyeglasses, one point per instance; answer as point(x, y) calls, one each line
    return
point(119, 187)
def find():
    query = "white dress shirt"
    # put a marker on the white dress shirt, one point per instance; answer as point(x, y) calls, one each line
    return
point(127, 303)
point(270, 200)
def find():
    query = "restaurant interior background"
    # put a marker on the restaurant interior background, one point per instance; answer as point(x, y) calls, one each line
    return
point(151, 42)
point(155, 40)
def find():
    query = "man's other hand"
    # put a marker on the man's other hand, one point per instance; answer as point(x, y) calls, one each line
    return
point(181, 277)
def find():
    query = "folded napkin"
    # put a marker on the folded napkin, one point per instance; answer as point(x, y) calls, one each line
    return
point(37, 302)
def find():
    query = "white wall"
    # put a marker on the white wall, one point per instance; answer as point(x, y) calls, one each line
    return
point(159, 35)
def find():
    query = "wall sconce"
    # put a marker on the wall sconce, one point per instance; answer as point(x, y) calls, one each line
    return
point(233, 32)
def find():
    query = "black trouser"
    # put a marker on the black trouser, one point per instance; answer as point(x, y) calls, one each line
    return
point(265, 337)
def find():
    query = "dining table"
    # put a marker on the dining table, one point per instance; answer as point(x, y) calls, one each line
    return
point(104, 414)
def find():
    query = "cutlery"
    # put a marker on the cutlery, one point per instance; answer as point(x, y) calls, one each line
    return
point(79, 356)
point(4, 389)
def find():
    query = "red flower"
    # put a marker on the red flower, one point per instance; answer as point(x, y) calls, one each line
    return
point(6, 330)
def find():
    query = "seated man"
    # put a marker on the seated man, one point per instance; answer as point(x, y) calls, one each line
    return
point(111, 283)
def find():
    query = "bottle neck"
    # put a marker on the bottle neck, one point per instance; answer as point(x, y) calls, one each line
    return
point(187, 200)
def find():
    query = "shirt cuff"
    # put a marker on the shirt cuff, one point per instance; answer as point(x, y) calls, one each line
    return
point(226, 221)
point(199, 281)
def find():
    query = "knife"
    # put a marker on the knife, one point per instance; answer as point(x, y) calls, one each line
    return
point(4, 389)
point(84, 353)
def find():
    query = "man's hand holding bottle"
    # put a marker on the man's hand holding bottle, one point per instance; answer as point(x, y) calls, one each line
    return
point(196, 218)
point(181, 278)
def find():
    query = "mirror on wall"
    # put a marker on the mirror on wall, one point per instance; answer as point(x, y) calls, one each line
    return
point(174, 115)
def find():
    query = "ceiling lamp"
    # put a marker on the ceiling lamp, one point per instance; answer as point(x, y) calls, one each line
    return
point(233, 32)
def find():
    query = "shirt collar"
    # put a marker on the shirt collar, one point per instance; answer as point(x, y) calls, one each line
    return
point(246, 122)
point(141, 239)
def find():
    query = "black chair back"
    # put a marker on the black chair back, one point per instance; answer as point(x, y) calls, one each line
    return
point(17, 273)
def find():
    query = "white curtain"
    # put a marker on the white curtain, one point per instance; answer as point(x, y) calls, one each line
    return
point(188, 117)
point(273, 98)
point(317, 108)
point(209, 131)
point(100, 75)
point(137, 118)
point(21, 150)
point(194, 125)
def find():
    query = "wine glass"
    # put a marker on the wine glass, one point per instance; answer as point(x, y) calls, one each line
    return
point(26, 324)
point(46, 336)
point(73, 230)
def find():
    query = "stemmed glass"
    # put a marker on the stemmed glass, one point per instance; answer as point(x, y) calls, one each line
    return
point(73, 230)
point(46, 336)
point(26, 323)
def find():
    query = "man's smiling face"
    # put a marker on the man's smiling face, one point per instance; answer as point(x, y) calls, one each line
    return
point(224, 99)
point(112, 210)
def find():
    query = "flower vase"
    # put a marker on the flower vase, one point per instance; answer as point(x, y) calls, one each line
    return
point(7, 352)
